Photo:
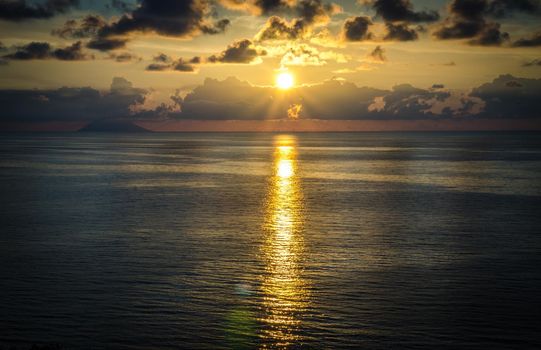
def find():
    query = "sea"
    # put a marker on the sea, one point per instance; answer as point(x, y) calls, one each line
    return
point(270, 240)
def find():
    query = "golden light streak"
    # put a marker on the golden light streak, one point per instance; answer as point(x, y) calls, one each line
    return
point(285, 291)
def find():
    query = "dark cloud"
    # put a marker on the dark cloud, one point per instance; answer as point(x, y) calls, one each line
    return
point(182, 66)
point(467, 21)
point(402, 11)
point(31, 51)
point(277, 28)
point(268, 6)
point(513, 84)
point(85, 28)
point(459, 29)
point(169, 18)
point(70, 104)
point(491, 35)
point(310, 13)
point(315, 11)
point(166, 63)
point(158, 67)
point(511, 97)
point(504, 8)
point(107, 44)
point(123, 57)
point(438, 86)
point(357, 29)
point(70, 53)
point(44, 51)
point(533, 41)
point(534, 63)
point(242, 51)
point(378, 54)
point(400, 32)
point(20, 10)
point(162, 58)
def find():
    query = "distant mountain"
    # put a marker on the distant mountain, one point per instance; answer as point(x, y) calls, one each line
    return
point(113, 125)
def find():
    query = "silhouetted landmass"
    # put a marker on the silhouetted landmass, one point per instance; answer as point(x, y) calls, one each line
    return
point(113, 125)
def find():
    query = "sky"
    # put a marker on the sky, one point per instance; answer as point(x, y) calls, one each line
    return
point(70, 62)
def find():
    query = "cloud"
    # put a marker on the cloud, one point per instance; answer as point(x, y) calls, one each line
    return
point(357, 29)
point(506, 97)
point(505, 8)
point(400, 32)
point(31, 51)
point(169, 18)
point(21, 10)
point(277, 28)
point(314, 11)
point(106, 44)
point(242, 51)
point(311, 13)
point(162, 58)
point(490, 35)
point(123, 57)
point(179, 19)
point(234, 99)
point(182, 66)
point(533, 41)
point(465, 21)
point(70, 104)
point(3, 47)
point(44, 51)
point(157, 67)
point(402, 11)
point(513, 84)
point(377, 55)
point(71, 53)
point(468, 20)
point(165, 63)
point(511, 97)
point(85, 28)
point(239, 52)
point(340, 100)
point(304, 55)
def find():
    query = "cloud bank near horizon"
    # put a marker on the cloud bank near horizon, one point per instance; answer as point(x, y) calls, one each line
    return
point(231, 99)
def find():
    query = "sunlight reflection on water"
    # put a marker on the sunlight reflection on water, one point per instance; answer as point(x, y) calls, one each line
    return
point(285, 292)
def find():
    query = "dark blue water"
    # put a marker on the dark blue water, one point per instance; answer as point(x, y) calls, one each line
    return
point(263, 241)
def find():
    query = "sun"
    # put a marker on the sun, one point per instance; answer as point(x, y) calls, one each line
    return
point(285, 81)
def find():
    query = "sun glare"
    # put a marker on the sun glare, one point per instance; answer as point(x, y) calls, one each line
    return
point(284, 81)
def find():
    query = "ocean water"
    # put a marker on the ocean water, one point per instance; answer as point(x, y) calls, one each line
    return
point(271, 241)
